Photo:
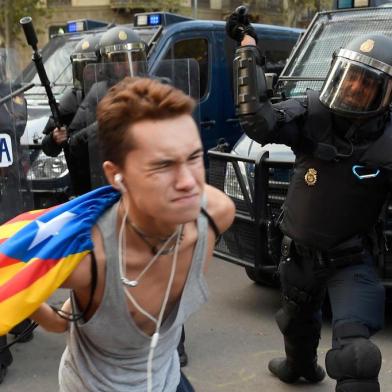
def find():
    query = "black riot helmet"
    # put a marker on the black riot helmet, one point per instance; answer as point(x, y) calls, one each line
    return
point(359, 82)
point(122, 46)
point(85, 52)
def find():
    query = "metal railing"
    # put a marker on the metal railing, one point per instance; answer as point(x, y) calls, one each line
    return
point(258, 188)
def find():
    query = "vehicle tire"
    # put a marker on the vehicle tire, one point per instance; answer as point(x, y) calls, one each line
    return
point(262, 278)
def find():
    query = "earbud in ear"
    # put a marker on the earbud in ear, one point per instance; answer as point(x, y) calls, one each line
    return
point(118, 180)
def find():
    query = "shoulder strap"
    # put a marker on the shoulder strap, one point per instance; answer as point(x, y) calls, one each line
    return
point(211, 222)
point(379, 153)
point(94, 279)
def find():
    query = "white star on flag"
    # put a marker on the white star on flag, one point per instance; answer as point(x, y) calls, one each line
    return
point(51, 228)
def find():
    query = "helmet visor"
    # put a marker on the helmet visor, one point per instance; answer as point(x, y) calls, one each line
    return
point(78, 66)
point(129, 63)
point(355, 89)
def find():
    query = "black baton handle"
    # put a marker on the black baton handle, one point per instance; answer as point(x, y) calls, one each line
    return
point(31, 37)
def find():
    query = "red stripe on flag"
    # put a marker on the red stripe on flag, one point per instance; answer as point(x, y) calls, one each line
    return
point(27, 276)
point(6, 261)
point(28, 216)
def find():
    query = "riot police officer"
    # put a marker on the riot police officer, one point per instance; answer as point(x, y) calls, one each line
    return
point(56, 139)
point(13, 117)
point(123, 54)
point(342, 140)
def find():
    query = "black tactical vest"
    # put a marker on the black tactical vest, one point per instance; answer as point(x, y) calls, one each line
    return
point(327, 203)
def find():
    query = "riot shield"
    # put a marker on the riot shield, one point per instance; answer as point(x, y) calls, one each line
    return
point(183, 74)
point(15, 187)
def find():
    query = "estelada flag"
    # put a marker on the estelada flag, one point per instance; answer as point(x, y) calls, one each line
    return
point(39, 250)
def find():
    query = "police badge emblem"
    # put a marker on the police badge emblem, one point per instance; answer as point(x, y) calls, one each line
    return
point(367, 46)
point(311, 177)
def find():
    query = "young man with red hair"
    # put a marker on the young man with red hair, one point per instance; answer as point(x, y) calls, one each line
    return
point(151, 248)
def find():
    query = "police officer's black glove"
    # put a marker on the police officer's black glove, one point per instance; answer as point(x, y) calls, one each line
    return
point(238, 25)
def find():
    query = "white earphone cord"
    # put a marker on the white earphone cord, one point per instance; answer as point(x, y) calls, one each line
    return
point(158, 322)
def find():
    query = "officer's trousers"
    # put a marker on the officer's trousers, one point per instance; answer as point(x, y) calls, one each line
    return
point(184, 385)
point(5, 354)
point(356, 296)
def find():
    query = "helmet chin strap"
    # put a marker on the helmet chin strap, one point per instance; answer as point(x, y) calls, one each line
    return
point(360, 129)
point(369, 128)
point(351, 131)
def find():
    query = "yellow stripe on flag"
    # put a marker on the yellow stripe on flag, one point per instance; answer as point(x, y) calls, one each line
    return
point(9, 229)
point(6, 273)
point(20, 306)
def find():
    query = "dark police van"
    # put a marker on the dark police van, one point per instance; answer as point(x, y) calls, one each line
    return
point(169, 37)
point(257, 178)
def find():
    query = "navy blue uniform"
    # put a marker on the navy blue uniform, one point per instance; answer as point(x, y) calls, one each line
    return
point(13, 116)
point(340, 183)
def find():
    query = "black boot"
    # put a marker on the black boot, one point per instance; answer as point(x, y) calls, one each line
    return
point(3, 372)
point(18, 331)
point(281, 369)
point(301, 354)
point(287, 373)
point(5, 358)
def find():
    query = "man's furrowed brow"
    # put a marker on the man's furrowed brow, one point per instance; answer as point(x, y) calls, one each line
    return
point(161, 162)
point(168, 161)
point(196, 152)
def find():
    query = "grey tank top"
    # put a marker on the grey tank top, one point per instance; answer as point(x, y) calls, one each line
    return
point(108, 353)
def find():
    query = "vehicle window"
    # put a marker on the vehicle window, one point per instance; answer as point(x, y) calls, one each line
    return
point(329, 33)
point(58, 68)
point(58, 65)
point(196, 48)
point(276, 52)
point(146, 34)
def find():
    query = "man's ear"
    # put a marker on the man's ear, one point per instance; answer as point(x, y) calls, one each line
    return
point(110, 169)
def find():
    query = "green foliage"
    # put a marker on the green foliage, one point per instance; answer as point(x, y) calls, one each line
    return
point(297, 8)
point(11, 11)
point(164, 5)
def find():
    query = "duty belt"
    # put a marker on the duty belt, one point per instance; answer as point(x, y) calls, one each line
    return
point(351, 252)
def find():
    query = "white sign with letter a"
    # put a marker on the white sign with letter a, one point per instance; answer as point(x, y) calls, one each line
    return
point(6, 157)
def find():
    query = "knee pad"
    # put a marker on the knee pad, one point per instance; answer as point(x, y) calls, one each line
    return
point(358, 386)
point(356, 359)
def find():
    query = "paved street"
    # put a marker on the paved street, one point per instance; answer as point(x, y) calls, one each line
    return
point(229, 343)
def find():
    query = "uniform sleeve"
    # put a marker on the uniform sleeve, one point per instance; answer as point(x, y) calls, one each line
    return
point(67, 109)
point(86, 112)
point(49, 147)
point(81, 136)
point(49, 127)
point(80, 120)
point(288, 117)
